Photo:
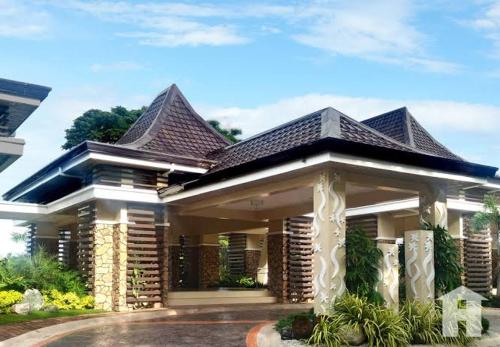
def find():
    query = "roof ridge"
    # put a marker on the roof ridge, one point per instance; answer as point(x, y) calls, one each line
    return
point(138, 120)
point(172, 92)
point(410, 116)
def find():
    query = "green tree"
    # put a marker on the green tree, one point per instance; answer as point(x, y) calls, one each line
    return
point(490, 218)
point(101, 126)
point(230, 133)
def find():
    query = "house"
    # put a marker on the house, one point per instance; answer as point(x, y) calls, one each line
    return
point(151, 207)
point(17, 102)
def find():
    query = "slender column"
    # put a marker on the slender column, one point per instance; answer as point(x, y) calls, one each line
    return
point(329, 227)
point(433, 207)
point(388, 285)
point(277, 253)
point(103, 266)
point(209, 260)
point(120, 266)
point(419, 255)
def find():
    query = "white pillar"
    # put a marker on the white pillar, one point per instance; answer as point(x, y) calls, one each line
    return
point(419, 256)
point(388, 285)
point(329, 227)
point(433, 207)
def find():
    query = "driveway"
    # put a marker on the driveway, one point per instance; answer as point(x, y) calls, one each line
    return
point(227, 327)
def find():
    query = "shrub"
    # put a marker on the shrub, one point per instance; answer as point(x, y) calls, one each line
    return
point(362, 261)
point(423, 322)
point(381, 326)
point(284, 325)
point(328, 332)
point(9, 298)
point(68, 301)
point(40, 271)
point(446, 261)
point(240, 281)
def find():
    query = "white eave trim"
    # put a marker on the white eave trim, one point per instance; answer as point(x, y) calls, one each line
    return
point(19, 99)
point(93, 192)
point(144, 163)
point(327, 158)
point(106, 158)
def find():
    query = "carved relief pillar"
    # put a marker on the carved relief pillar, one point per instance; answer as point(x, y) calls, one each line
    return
point(419, 256)
point(328, 239)
point(433, 208)
point(388, 285)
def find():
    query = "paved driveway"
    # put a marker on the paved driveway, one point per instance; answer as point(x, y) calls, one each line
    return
point(223, 329)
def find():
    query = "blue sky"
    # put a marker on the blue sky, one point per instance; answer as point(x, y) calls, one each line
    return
point(256, 64)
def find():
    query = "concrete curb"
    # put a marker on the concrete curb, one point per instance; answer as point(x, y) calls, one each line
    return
point(41, 336)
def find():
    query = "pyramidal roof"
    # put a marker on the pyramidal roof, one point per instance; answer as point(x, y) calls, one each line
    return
point(170, 125)
point(401, 126)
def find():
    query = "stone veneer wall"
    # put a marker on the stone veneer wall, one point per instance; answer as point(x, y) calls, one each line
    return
point(174, 264)
point(209, 265)
point(252, 258)
point(277, 253)
point(103, 264)
point(120, 267)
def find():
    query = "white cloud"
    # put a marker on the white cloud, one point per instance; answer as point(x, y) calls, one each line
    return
point(377, 30)
point(117, 66)
point(488, 22)
point(381, 31)
point(168, 25)
point(21, 20)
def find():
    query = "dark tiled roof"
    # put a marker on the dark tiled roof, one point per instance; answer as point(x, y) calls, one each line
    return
point(403, 127)
point(303, 131)
point(170, 125)
point(298, 132)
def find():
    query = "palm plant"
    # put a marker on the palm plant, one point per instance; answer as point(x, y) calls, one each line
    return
point(490, 217)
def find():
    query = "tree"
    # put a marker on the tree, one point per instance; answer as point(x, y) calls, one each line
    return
point(101, 126)
point(230, 133)
point(490, 217)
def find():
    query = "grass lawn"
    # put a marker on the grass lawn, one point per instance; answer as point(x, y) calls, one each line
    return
point(17, 318)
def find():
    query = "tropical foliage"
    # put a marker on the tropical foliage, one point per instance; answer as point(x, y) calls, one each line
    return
point(446, 261)
point(415, 324)
point(40, 271)
point(101, 126)
point(362, 261)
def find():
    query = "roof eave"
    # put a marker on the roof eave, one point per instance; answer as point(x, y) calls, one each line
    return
point(347, 147)
point(101, 148)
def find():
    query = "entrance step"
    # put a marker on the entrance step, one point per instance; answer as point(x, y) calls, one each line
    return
point(220, 297)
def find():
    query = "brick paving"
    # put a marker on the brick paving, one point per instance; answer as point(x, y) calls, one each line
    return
point(8, 331)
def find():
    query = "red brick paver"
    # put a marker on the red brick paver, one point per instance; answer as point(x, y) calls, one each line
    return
point(8, 331)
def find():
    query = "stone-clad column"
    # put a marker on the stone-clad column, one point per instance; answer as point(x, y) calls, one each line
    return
point(103, 266)
point(277, 259)
point(120, 267)
point(388, 285)
point(208, 260)
point(419, 256)
point(433, 208)
point(328, 228)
